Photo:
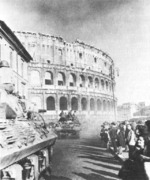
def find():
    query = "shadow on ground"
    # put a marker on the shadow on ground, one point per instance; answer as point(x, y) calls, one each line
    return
point(93, 154)
point(58, 178)
point(83, 159)
point(92, 176)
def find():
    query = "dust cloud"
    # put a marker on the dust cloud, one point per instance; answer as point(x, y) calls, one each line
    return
point(90, 127)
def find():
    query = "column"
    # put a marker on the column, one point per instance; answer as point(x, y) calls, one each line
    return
point(57, 103)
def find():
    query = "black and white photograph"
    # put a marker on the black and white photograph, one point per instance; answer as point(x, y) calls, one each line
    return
point(74, 90)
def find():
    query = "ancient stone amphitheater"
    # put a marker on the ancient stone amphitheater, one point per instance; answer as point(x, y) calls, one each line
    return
point(65, 76)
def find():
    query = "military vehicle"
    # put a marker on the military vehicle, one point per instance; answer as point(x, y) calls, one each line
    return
point(26, 142)
point(68, 126)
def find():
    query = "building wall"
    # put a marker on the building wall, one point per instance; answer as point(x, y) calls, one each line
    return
point(18, 66)
point(71, 72)
point(126, 111)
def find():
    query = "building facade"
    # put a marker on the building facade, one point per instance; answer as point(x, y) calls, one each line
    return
point(17, 57)
point(126, 111)
point(129, 111)
point(70, 76)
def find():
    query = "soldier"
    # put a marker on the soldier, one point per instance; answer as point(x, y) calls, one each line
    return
point(70, 115)
point(62, 116)
point(113, 135)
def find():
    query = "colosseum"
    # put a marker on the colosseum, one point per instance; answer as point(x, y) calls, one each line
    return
point(70, 76)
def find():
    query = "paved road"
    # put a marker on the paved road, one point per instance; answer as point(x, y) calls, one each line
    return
point(83, 159)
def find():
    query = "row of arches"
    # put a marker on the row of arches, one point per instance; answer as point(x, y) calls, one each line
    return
point(72, 80)
point(99, 105)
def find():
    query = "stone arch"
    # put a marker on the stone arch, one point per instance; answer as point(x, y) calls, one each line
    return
point(96, 83)
point(92, 104)
point(84, 104)
point(106, 85)
point(104, 105)
point(102, 84)
point(35, 78)
point(61, 79)
point(82, 81)
point(72, 79)
point(74, 103)
point(99, 105)
point(50, 103)
point(90, 81)
point(48, 78)
point(63, 103)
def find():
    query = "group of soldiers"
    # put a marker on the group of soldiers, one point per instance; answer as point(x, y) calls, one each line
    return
point(70, 116)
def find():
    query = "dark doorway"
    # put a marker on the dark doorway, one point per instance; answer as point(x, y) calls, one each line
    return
point(50, 103)
point(63, 103)
point(74, 103)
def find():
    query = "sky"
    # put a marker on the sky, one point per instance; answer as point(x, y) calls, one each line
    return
point(119, 27)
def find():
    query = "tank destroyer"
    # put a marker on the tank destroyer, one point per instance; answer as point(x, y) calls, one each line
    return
point(68, 125)
point(26, 142)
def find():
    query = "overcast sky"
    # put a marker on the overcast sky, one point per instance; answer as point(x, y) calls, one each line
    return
point(119, 27)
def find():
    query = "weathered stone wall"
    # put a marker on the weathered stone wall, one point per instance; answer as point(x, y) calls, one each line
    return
point(65, 76)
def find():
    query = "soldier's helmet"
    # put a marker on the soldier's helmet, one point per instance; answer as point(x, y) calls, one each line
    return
point(4, 64)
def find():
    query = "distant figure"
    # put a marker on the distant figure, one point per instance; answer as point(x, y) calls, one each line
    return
point(133, 125)
point(62, 116)
point(113, 135)
point(104, 135)
point(121, 138)
point(74, 117)
point(131, 140)
point(70, 115)
point(22, 101)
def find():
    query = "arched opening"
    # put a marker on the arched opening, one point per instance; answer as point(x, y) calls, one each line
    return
point(84, 104)
point(99, 105)
point(74, 103)
point(50, 102)
point(96, 83)
point(90, 82)
point(48, 78)
point(72, 80)
point(92, 104)
point(80, 55)
point(35, 78)
point(104, 105)
point(102, 84)
point(110, 87)
point(63, 103)
point(61, 79)
point(106, 85)
point(82, 81)
point(60, 54)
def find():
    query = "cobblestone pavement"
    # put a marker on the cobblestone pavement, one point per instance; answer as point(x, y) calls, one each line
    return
point(83, 159)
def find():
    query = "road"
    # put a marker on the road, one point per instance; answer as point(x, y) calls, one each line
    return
point(83, 159)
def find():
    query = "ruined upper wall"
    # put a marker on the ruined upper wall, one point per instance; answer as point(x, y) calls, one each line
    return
point(55, 50)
